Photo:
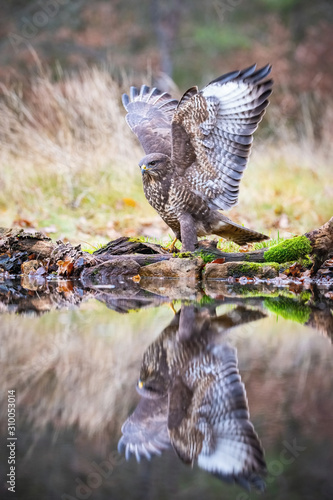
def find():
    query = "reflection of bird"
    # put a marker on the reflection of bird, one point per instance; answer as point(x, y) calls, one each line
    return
point(197, 149)
point(193, 398)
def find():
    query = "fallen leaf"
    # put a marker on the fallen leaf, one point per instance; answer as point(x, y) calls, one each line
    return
point(23, 222)
point(65, 267)
point(294, 270)
point(220, 260)
point(129, 202)
point(29, 266)
point(136, 278)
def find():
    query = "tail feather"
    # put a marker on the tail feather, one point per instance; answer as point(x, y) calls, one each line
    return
point(229, 230)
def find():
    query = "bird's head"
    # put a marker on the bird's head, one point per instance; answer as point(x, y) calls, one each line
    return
point(151, 388)
point(154, 164)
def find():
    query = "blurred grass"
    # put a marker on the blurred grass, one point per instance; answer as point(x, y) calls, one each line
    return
point(69, 167)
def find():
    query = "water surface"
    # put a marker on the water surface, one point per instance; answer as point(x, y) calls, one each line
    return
point(84, 361)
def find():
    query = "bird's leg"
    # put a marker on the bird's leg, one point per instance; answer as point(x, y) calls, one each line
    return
point(188, 233)
point(171, 246)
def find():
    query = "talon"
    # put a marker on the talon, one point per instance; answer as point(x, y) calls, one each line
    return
point(171, 247)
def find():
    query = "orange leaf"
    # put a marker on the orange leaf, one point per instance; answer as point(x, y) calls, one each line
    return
point(65, 286)
point(129, 202)
point(65, 267)
point(220, 260)
point(23, 222)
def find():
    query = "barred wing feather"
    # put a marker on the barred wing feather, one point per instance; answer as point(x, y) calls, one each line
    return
point(212, 133)
point(149, 114)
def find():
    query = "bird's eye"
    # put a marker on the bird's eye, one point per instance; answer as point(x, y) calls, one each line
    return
point(152, 163)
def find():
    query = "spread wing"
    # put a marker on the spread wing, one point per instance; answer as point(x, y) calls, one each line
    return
point(212, 133)
point(145, 432)
point(149, 114)
point(214, 426)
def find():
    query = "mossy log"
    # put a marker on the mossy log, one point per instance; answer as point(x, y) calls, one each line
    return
point(317, 243)
point(18, 246)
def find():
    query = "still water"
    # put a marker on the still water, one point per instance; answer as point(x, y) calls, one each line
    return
point(223, 393)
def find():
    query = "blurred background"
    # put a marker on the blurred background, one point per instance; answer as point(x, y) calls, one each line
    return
point(68, 159)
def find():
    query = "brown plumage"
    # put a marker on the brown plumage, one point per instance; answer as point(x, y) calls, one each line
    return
point(192, 398)
point(197, 149)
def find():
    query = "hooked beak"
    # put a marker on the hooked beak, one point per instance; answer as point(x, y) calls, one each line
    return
point(143, 168)
point(140, 384)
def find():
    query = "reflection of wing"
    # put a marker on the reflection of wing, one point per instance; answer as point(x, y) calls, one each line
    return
point(215, 428)
point(241, 315)
point(145, 432)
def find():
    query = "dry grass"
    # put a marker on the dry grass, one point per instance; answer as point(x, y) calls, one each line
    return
point(69, 159)
point(68, 164)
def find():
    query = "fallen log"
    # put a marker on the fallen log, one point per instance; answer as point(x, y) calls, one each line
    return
point(18, 246)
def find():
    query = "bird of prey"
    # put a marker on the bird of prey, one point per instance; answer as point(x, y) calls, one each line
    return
point(197, 149)
point(192, 399)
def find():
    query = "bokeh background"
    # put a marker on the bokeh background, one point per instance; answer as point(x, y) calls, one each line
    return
point(68, 160)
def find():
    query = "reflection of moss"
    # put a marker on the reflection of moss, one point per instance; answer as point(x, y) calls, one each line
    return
point(257, 291)
point(206, 299)
point(292, 309)
point(306, 295)
point(289, 250)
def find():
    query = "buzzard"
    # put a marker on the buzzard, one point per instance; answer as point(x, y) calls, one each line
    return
point(192, 399)
point(197, 149)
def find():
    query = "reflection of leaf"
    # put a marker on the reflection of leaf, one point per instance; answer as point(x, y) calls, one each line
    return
point(65, 267)
point(65, 286)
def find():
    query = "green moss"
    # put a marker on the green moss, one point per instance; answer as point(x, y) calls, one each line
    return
point(253, 268)
point(289, 250)
point(93, 248)
point(306, 262)
point(205, 255)
point(291, 309)
point(137, 239)
point(183, 255)
point(249, 291)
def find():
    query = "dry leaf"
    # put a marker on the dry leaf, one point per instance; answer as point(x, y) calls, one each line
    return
point(65, 267)
point(23, 222)
point(129, 202)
